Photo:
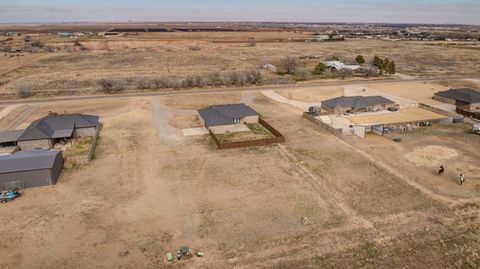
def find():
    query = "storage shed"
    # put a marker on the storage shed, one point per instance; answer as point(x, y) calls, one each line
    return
point(27, 169)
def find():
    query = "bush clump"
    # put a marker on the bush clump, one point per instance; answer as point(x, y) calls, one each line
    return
point(111, 85)
point(23, 89)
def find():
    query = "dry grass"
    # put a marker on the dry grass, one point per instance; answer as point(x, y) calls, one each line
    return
point(76, 72)
point(149, 197)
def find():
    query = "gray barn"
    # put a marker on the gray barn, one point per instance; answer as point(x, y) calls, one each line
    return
point(27, 169)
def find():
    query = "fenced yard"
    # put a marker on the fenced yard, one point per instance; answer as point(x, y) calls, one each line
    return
point(261, 134)
point(82, 150)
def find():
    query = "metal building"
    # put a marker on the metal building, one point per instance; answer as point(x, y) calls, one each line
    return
point(27, 169)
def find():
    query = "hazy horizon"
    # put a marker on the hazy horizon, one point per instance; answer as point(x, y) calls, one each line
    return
point(348, 11)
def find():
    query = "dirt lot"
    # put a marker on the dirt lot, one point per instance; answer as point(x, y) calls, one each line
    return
point(422, 152)
point(147, 197)
point(403, 115)
point(420, 92)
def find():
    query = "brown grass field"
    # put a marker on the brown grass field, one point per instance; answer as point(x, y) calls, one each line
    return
point(139, 56)
point(147, 193)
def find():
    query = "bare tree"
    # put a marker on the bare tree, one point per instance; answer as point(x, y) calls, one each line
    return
point(289, 64)
point(111, 85)
point(23, 88)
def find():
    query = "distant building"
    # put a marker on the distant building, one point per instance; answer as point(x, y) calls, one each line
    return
point(465, 99)
point(227, 115)
point(26, 169)
point(335, 66)
point(322, 37)
point(356, 104)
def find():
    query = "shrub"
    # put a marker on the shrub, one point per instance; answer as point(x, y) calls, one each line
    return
point(360, 59)
point(254, 77)
point(50, 49)
point(23, 89)
point(302, 74)
point(319, 69)
point(37, 44)
point(195, 47)
point(332, 58)
point(143, 83)
point(111, 85)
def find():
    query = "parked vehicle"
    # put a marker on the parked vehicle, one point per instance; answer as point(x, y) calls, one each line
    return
point(7, 196)
point(476, 129)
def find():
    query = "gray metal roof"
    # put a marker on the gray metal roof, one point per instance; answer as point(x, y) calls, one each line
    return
point(28, 160)
point(10, 136)
point(357, 101)
point(465, 95)
point(225, 114)
point(57, 126)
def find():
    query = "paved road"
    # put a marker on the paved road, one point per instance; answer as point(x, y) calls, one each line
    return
point(232, 89)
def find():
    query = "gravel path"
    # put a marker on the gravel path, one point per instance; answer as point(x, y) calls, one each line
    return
point(168, 134)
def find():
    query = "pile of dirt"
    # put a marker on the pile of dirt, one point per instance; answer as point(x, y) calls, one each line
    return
point(431, 156)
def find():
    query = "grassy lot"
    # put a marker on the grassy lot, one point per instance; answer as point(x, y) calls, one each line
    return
point(81, 146)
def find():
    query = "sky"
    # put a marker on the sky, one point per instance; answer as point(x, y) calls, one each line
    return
point(400, 11)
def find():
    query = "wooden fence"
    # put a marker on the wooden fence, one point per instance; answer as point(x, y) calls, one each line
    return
point(85, 158)
point(279, 138)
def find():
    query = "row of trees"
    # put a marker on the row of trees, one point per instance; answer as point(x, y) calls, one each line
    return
point(238, 78)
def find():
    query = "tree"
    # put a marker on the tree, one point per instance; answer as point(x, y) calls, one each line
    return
point(377, 61)
point(289, 64)
point(319, 69)
point(360, 59)
point(391, 68)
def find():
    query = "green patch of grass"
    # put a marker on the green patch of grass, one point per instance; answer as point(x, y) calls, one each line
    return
point(81, 146)
point(258, 129)
point(224, 138)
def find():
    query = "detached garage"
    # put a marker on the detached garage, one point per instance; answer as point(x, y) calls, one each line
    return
point(27, 169)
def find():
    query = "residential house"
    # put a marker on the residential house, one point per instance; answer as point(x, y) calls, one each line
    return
point(465, 99)
point(227, 115)
point(44, 133)
point(357, 104)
